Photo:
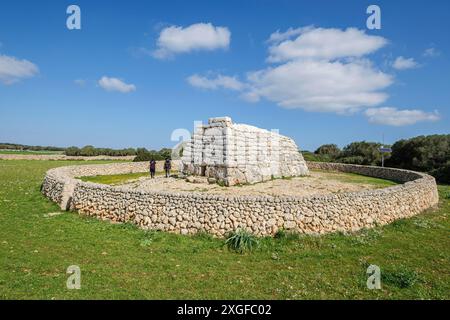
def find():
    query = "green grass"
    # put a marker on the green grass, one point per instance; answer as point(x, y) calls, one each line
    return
point(357, 178)
point(42, 152)
point(114, 179)
point(122, 261)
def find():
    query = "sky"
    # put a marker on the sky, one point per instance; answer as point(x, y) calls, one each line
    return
point(138, 70)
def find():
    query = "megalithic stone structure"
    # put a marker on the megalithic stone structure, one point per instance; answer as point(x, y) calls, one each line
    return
point(239, 154)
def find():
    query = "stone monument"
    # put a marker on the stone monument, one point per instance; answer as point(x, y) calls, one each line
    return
point(230, 154)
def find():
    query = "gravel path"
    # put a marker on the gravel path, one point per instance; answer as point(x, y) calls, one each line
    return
point(318, 183)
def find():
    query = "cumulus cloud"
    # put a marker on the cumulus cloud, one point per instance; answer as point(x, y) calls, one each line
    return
point(402, 63)
point(13, 70)
point(114, 84)
point(320, 70)
point(320, 43)
point(213, 83)
point(324, 86)
point(278, 36)
point(394, 117)
point(323, 70)
point(200, 36)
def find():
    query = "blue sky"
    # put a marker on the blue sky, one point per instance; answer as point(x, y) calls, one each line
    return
point(137, 70)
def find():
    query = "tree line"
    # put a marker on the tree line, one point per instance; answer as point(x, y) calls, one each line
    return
point(15, 146)
point(429, 154)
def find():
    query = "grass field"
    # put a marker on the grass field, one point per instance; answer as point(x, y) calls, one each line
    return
point(121, 261)
point(359, 179)
point(114, 179)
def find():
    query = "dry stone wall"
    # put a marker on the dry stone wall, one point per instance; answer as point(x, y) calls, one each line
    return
point(189, 213)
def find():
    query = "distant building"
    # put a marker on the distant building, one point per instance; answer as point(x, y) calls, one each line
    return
point(237, 153)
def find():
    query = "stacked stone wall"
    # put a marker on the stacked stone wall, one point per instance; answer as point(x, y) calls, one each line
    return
point(189, 213)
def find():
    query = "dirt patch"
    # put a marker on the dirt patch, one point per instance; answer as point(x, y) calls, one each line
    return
point(318, 183)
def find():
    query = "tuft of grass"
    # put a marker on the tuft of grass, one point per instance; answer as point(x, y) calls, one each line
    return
point(241, 241)
point(280, 234)
point(400, 277)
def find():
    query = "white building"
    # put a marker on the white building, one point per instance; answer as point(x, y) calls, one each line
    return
point(239, 154)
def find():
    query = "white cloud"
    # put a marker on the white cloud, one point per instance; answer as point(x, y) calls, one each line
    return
point(320, 43)
point(278, 36)
point(322, 86)
point(200, 36)
point(431, 52)
point(394, 117)
point(13, 70)
point(220, 81)
point(402, 63)
point(321, 70)
point(114, 84)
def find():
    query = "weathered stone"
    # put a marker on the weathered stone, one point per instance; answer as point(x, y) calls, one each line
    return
point(237, 154)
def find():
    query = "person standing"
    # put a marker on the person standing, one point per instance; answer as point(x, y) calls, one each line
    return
point(167, 167)
point(152, 168)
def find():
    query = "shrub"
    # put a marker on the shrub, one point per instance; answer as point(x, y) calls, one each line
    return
point(90, 151)
point(241, 240)
point(401, 278)
point(143, 154)
point(280, 234)
point(309, 156)
point(423, 153)
point(330, 150)
point(362, 152)
point(442, 174)
point(352, 160)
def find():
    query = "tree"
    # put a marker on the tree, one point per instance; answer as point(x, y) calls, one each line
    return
point(330, 150)
point(362, 152)
point(423, 153)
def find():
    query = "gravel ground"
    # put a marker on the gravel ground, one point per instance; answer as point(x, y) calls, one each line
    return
point(318, 183)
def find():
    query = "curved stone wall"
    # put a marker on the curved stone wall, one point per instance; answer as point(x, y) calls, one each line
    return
point(189, 213)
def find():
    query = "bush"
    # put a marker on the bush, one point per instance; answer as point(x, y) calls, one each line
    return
point(401, 278)
point(143, 154)
point(352, 160)
point(423, 153)
point(90, 151)
point(330, 150)
point(241, 240)
point(362, 152)
point(280, 234)
point(309, 156)
point(442, 174)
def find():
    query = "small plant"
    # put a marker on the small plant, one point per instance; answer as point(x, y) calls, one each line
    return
point(146, 242)
point(447, 195)
point(241, 240)
point(280, 234)
point(401, 278)
point(221, 183)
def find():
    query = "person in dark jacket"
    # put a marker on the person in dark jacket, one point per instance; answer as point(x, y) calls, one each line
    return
point(152, 168)
point(167, 167)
